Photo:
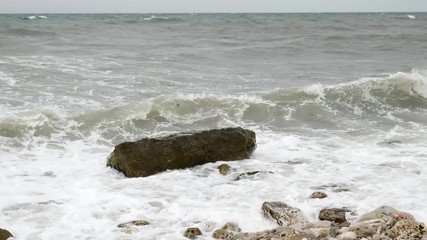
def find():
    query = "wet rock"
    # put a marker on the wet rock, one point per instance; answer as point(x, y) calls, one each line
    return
point(340, 189)
point(319, 224)
point(149, 156)
point(400, 216)
point(347, 236)
point(221, 234)
point(336, 215)
point(231, 227)
point(320, 233)
point(368, 228)
point(192, 233)
point(384, 212)
point(407, 229)
point(284, 214)
point(5, 234)
point(224, 169)
point(318, 195)
point(249, 174)
point(282, 233)
point(133, 223)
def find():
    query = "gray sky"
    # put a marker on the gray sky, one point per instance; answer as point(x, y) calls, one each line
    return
point(193, 6)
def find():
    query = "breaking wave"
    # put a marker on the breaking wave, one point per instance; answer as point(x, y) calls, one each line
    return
point(316, 106)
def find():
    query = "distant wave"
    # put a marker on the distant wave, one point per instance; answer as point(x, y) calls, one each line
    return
point(156, 18)
point(33, 17)
point(410, 17)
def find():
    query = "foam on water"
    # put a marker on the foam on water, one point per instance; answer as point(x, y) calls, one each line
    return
point(57, 184)
point(72, 88)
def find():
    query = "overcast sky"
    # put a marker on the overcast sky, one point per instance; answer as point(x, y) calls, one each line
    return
point(198, 6)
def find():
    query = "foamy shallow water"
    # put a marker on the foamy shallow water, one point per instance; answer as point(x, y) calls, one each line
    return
point(69, 193)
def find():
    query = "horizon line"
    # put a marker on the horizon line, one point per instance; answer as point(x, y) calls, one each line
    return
point(296, 12)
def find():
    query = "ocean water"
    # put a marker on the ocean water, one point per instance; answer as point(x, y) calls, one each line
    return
point(336, 100)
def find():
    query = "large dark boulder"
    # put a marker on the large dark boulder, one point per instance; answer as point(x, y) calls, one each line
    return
point(4, 234)
point(149, 156)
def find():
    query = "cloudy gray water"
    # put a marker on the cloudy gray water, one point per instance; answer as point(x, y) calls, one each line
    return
point(333, 98)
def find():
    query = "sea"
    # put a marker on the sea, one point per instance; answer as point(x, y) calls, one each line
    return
point(338, 103)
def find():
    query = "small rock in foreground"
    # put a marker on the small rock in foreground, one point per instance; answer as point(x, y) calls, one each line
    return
point(284, 214)
point(336, 215)
point(192, 233)
point(318, 195)
point(224, 169)
point(133, 223)
point(221, 234)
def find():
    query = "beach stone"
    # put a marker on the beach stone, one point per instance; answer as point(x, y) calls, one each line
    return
point(192, 233)
point(133, 223)
point(282, 233)
point(221, 234)
point(384, 212)
point(319, 224)
point(336, 215)
point(231, 227)
point(318, 195)
point(224, 169)
point(368, 228)
point(250, 174)
point(400, 216)
point(5, 234)
point(347, 236)
point(407, 229)
point(320, 233)
point(284, 214)
point(149, 156)
point(340, 189)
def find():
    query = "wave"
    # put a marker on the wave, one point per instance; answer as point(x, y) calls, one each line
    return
point(34, 17)
point(155, 18)
point(397, 90)
point(407, 17)
point(374, 98)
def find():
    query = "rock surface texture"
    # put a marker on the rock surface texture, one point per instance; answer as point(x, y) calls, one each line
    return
point(4, 234)
point(383, 223)
point(149, 156)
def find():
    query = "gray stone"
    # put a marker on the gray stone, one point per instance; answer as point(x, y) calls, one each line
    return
point(347, 236)
point(280, 233)
point(368, 228)
point(224, 169)
point(221, 234)
point(336, 215)
point(247, 175)
point(5, 234)
point(192, 233)
point(149, 156)
point(284, 214)
point(384, 212)
point(407, 229)
point(231, 227)
point(133, 223)
point(318, 195)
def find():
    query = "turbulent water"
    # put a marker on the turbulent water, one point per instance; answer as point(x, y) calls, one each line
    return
point(335, 100)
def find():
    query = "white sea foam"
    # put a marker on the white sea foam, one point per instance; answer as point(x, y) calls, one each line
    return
point(8, 79)
point(66, 191)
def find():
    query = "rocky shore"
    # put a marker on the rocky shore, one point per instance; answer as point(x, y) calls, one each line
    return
point(382, 223)
point(150, 156)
